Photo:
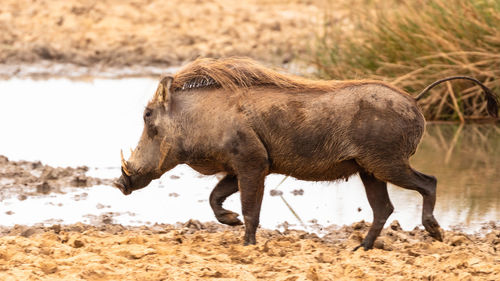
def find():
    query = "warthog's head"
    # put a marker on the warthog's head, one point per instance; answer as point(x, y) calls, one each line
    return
point(155, 153)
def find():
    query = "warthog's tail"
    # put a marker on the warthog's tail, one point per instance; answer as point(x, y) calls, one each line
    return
point(491, 98)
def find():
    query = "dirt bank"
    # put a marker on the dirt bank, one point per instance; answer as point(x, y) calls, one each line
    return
point(196, 251)
point(24, 178)
point(117, 33)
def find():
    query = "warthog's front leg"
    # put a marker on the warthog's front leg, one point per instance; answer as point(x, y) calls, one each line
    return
point(252, 191)
point(225, 188)
point(250, 163)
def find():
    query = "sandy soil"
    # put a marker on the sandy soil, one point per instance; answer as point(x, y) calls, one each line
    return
point(196, 251)
point(120, 33)
point(24, 178)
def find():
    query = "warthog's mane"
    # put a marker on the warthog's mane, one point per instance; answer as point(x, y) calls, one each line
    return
point(235, 74)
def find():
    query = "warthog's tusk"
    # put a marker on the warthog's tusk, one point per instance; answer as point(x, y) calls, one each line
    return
point(124, 164)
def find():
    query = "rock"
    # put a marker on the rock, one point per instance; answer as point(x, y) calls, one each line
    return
point(395, 225)
point(79, 181)
point(194, 224)
point(3, 159)
point(356, 236)
point(493, 237)
point(56, 228)
point(77, 243)
point(82, 168)
point(379, 244)
point(107, 219)
point(359, 225)
point(30, 231)
point(77, 227)
point(43, 188)
point(49, 173)
point(17, 230)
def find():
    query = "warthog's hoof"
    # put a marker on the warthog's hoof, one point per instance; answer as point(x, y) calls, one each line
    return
point(365, 246)
point(250, 241)
point(229, 218)
point(432, 226)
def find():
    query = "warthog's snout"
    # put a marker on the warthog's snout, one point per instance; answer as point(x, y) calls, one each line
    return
point(123, 183)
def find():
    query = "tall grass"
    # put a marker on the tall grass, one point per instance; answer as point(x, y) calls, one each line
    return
point(413, 43)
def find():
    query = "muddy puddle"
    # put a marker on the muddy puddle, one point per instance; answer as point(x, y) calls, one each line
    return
point(84, 124)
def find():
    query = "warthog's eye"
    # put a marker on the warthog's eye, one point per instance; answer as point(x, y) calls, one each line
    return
point(148, 113)
point(151, 128)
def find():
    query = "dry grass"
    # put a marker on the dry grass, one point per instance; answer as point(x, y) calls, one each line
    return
point(413, 43)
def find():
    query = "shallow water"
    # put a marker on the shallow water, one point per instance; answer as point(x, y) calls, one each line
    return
point(70, 123)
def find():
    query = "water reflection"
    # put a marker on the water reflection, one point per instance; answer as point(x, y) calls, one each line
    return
point(465, 160)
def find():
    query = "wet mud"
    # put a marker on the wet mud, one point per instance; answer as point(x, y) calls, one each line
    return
point(194, 251)
point(23, 179)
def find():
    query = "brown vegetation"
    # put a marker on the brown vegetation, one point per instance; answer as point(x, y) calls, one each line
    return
point(414, 43)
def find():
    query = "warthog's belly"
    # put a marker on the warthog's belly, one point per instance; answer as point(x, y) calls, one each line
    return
point(319, 171)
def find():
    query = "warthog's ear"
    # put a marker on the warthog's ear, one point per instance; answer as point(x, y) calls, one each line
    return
point(163, 92)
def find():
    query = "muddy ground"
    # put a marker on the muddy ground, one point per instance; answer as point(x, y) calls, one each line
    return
point(196, 251)
point(112, 34)
point(24, 178)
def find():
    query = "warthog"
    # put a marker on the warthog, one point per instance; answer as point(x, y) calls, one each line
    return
point(236, 117)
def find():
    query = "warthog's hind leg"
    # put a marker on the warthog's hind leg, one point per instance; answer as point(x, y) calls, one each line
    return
point(225, 188)
point(378, 198)
point(428, 192)
point(401, 174)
